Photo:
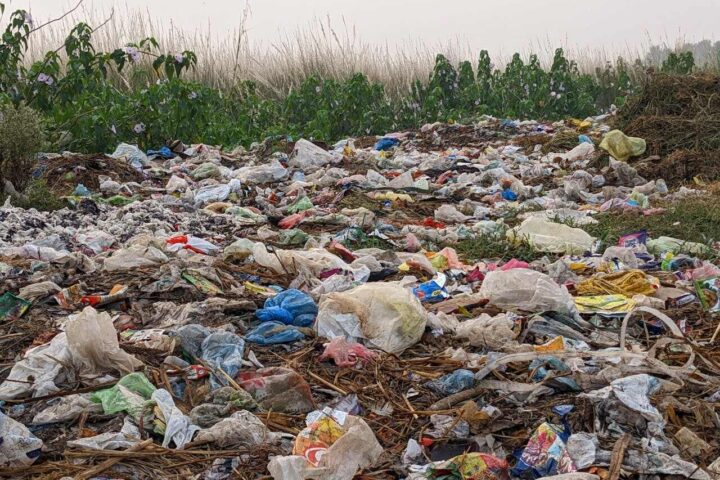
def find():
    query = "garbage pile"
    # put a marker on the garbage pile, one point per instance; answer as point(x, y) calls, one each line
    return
point(294, 311)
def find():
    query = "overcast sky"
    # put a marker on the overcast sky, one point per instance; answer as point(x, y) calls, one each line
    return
point(505, 25)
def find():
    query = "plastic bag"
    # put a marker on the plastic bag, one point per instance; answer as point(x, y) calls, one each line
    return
point(176, 184)
point(36, 291)
point(526, 290)
point(12, 306)
point(223, 351)
point(278, 389)
point(216, 193)
point(127, 437)
point(546, 236)
point(452, 383)
point(136, 256)
point(546, 453)
point(309, 157)
point(178, 428)
point(132, 155)
point(65, 409)
point(18, 447)
point(386, 315)
point(450, 214)
point(271, 333)
point(331, 448)
point(346, 354)
point(97, 241)
point(662, 245)
point(93, 344)
point(206, 170)
point(471, 466)
point(622, 147)
point(240, 430)
point(291, 307)
point(129, 395)
point(489, 332)
point(192, 243)
point(37, 371)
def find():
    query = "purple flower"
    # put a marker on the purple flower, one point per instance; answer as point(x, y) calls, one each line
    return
point(139, 128)
point(46, 79)
point(133, 53)
point(179, 57)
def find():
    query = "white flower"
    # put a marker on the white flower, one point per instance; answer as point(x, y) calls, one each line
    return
point(317, 89)
point(192, 95)
point(179, 58)
point(139, 128)
point(559, 96)
point(552, 94)
point(133, 53)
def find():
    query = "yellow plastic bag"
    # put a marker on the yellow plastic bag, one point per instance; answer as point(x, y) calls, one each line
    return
point(622, 147)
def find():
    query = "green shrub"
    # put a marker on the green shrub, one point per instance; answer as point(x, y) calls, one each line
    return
point(37, 195)
point(21, 136)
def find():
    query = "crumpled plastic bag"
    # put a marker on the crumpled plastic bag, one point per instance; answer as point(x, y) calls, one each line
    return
point(546, 236)
point(526, 290)
point(291, 307)
point(65, 409)
point(178, 427)
point(93, 344)
point(129, 394)
point(18, 447)
point(135, 256)
point(387, 316)
point(309, 157)
point(346, 354)
point(546, 453)
point(241, 429)
point(278, 389)
point(452, 383)
point(223, 351)
point(333, 447)
point(448, 213)
point(132, 155)
point(37, 371)
point(128, 436)
point(216, 193)
point(622, 147)
point(192, 243)
point(176, 184)
point(493, 333)
point(472, 465)
point(39, 290)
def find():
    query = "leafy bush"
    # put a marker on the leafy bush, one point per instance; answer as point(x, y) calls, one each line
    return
point(38, 195)
point(21, 138)
point(86, 110)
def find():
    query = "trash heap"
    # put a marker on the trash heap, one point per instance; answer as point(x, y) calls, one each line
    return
point(302, 311)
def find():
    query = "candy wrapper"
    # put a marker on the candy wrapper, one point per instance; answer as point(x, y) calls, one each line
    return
point(708, 292)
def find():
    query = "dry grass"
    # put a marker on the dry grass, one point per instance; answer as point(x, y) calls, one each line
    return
point(321, 48)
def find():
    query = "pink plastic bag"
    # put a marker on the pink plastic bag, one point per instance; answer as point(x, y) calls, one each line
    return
point(292, 221)
point(514, 263)
point(347, 354)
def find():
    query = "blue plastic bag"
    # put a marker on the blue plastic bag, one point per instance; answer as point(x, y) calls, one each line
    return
point(164, 152)
point(223, 351)
point(585, 139)
point(82, 191)
point(509, 195)
point(452, 383)
point(386, 143)
point(270, 333)
point(291, 307)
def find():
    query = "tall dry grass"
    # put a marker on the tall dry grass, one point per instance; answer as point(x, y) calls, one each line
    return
point(321, 48)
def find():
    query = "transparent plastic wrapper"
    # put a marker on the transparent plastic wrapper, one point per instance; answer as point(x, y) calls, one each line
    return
point(206, 170)
point(131, 154)
point(128, 436)
point(65, 409)
point(36, 373)
point(489, 332)
point(546, 236)
point(278, 389)
point(192, 243)
point(450, 214)
point(386, 315)
point(176, 184)
point(39, 290)
point(223, 351)
point(662, 245)
point(241, 429)
point(97, 241)
point(584, 151)
point(452, 383)
point(135, 256)
point(622, 147)
point(216, 193)
point(18, 447)
point(333, 447)
point(93, 344)
point(267, 173)
point(526, 290)
point(308, 157)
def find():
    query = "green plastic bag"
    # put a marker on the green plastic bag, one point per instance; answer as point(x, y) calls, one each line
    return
point(303, 204)
point(128, 395)
point(622, 147)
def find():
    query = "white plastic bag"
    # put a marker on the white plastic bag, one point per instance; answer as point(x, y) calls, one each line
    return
point(94, 346)
point(178, 427)
point(18, 447)
point(546, 236)
point(309, 157)
point(131, 154)
point(135, 256)
point(526, 290)
point(176, 184)
point(66, 408)
point(37, 371)
point(486, 331)
point(127, 437)
point(241, 429)
point(386, 315)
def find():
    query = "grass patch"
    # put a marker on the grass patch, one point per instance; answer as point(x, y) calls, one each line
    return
point(693, 220)
point(37, 195)
point(495, 247)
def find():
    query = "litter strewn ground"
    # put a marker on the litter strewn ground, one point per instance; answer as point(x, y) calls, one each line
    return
point(436, 304)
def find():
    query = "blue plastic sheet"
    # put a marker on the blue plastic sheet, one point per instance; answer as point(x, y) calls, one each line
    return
point(386, 143)
point(270, 333)
point(452, 383)
point(223, 351)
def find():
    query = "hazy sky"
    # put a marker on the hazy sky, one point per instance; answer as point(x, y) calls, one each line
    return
point(505, 25)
